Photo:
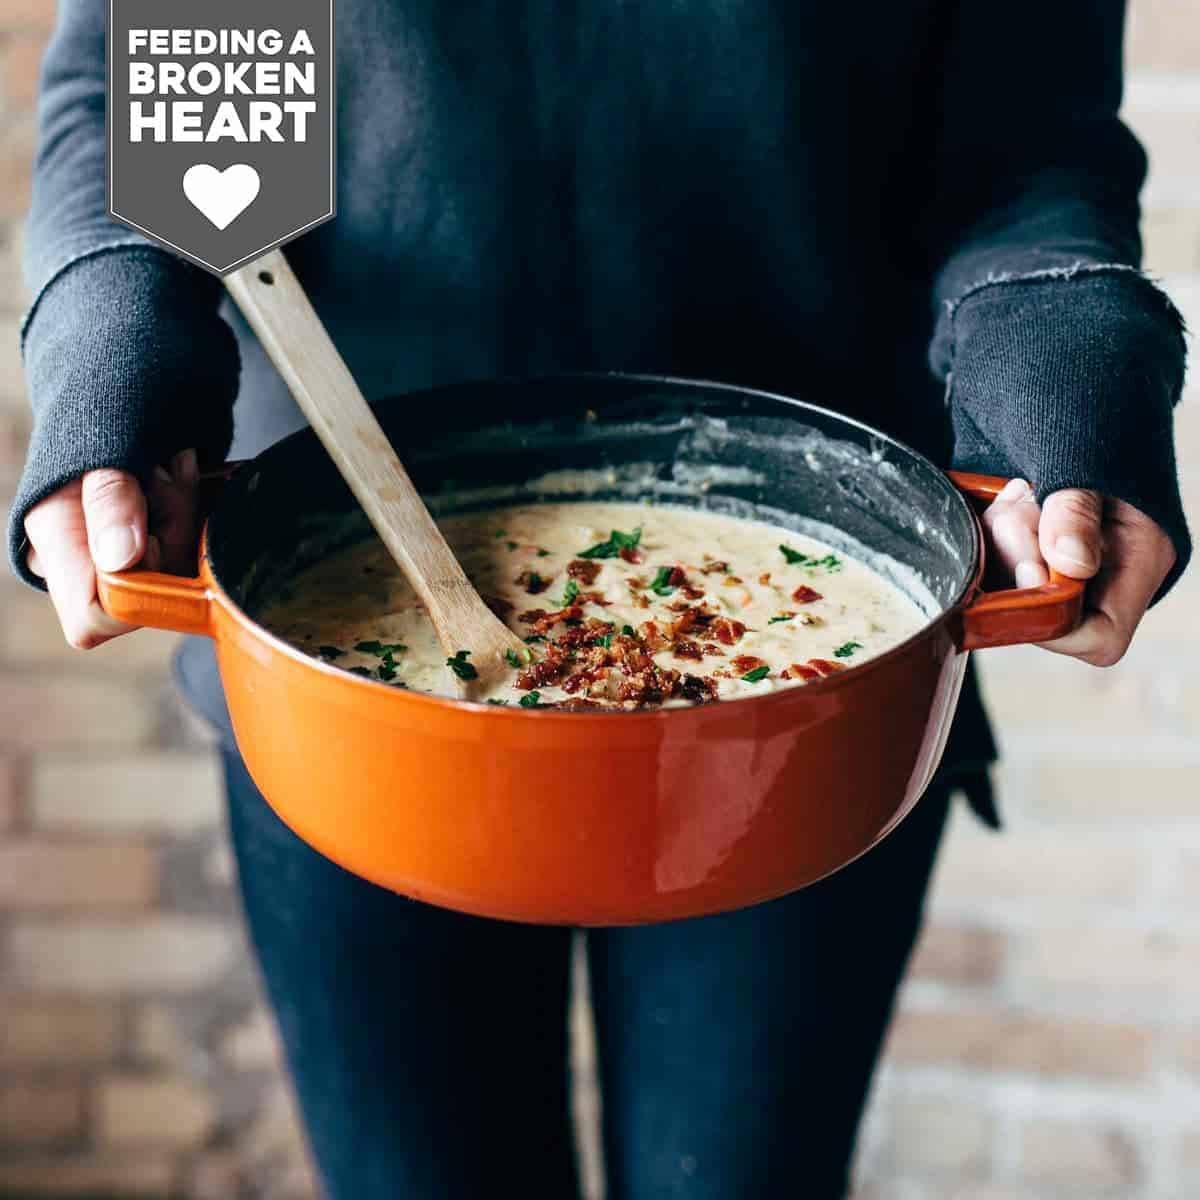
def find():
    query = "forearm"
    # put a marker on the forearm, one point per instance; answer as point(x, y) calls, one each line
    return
point(126, 359)
point(1062, 361)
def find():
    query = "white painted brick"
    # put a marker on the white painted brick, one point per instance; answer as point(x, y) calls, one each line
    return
point(170, 793)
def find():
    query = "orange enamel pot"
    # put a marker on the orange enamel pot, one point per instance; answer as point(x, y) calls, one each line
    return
point(585, 817)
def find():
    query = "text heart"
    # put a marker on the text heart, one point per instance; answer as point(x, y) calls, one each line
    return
point(222, 196)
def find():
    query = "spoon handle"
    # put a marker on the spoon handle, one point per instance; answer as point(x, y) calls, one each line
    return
point(278, 310)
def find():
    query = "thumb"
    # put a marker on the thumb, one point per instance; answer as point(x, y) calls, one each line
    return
point(1069, 532)
point(114, 509)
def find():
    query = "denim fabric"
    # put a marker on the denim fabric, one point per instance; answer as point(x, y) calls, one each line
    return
point(429, 1051)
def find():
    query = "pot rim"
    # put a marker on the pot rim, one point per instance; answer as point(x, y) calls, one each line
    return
point(821, 686)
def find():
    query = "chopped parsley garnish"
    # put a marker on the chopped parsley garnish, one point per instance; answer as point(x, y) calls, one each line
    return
point(330, 652)
point(757, 674)
point(830, 562)
point(459, 665)
point(617, 541)
point(513, 658)
point(534, 583)
point(387, 670)
point(500, 533)
point(494, 701)
point(605, 640)
point(511, 545)
point(360, 671)
point(627, 631)
point(846, 649)
point(531, 700)
point(569, 593)
point(775, 620)
point(660, 585)
point(543, 553)
point(382, 649)
point(533, 637)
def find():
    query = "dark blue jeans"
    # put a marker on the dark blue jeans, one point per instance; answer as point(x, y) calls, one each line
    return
point(428, 1048)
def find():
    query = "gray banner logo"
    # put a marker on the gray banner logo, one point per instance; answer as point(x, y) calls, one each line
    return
point(220, 123)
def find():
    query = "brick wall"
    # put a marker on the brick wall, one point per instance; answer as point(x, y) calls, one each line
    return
point(1048, 1040)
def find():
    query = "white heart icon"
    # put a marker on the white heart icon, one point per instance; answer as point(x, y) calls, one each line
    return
point(222, 196)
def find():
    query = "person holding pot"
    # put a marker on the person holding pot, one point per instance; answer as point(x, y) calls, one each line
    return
point(925, 216)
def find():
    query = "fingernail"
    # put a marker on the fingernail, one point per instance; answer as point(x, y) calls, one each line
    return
point(1074, 548)
point(1030, 574)
point(162, 474)
point(115, 547)
point(1014, 489)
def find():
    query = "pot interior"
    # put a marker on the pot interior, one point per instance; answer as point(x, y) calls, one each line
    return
point(710, 446)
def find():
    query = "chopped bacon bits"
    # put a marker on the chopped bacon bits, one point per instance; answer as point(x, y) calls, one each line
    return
point(798, 671)
point(584, 571)
point(604, 664)
point(824, 666)
point(806, 595)
point(532, 582)
point(745, 663)
point(815, 668)
point(549, 669)
point(543, 621)
point(726, 630)
point(592, 598)
point(652, 636)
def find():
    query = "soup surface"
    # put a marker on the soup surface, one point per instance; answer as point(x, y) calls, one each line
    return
point(620, 605)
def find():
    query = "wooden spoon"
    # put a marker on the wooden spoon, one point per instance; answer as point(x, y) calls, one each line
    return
point(275, 304)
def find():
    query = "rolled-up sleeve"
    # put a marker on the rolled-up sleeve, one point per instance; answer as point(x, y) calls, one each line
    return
point(1063, 362)
point(126, 359)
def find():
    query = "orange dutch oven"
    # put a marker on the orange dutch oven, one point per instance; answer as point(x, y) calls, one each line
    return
point(600, 817)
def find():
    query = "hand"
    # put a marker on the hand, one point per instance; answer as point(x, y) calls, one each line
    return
point(106, 521)
point(1084, 535)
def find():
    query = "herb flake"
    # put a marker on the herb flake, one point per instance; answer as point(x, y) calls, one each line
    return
point(531, 700)
point(617, 541)
point(459, 665)
point(757, 674)
point(380, 649)
point(846, 649)
point(660, 585)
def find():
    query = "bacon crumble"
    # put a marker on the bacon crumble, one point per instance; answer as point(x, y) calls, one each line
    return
point(583, 570)
point(806, 595)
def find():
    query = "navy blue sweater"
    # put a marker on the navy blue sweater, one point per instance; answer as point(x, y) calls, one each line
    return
point(923, 213)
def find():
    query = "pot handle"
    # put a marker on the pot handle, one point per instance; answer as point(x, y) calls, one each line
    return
point(159, 601)
point(155, 600)
point(1015, 615)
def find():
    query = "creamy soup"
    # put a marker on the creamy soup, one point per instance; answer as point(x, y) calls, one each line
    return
point(620, 605)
